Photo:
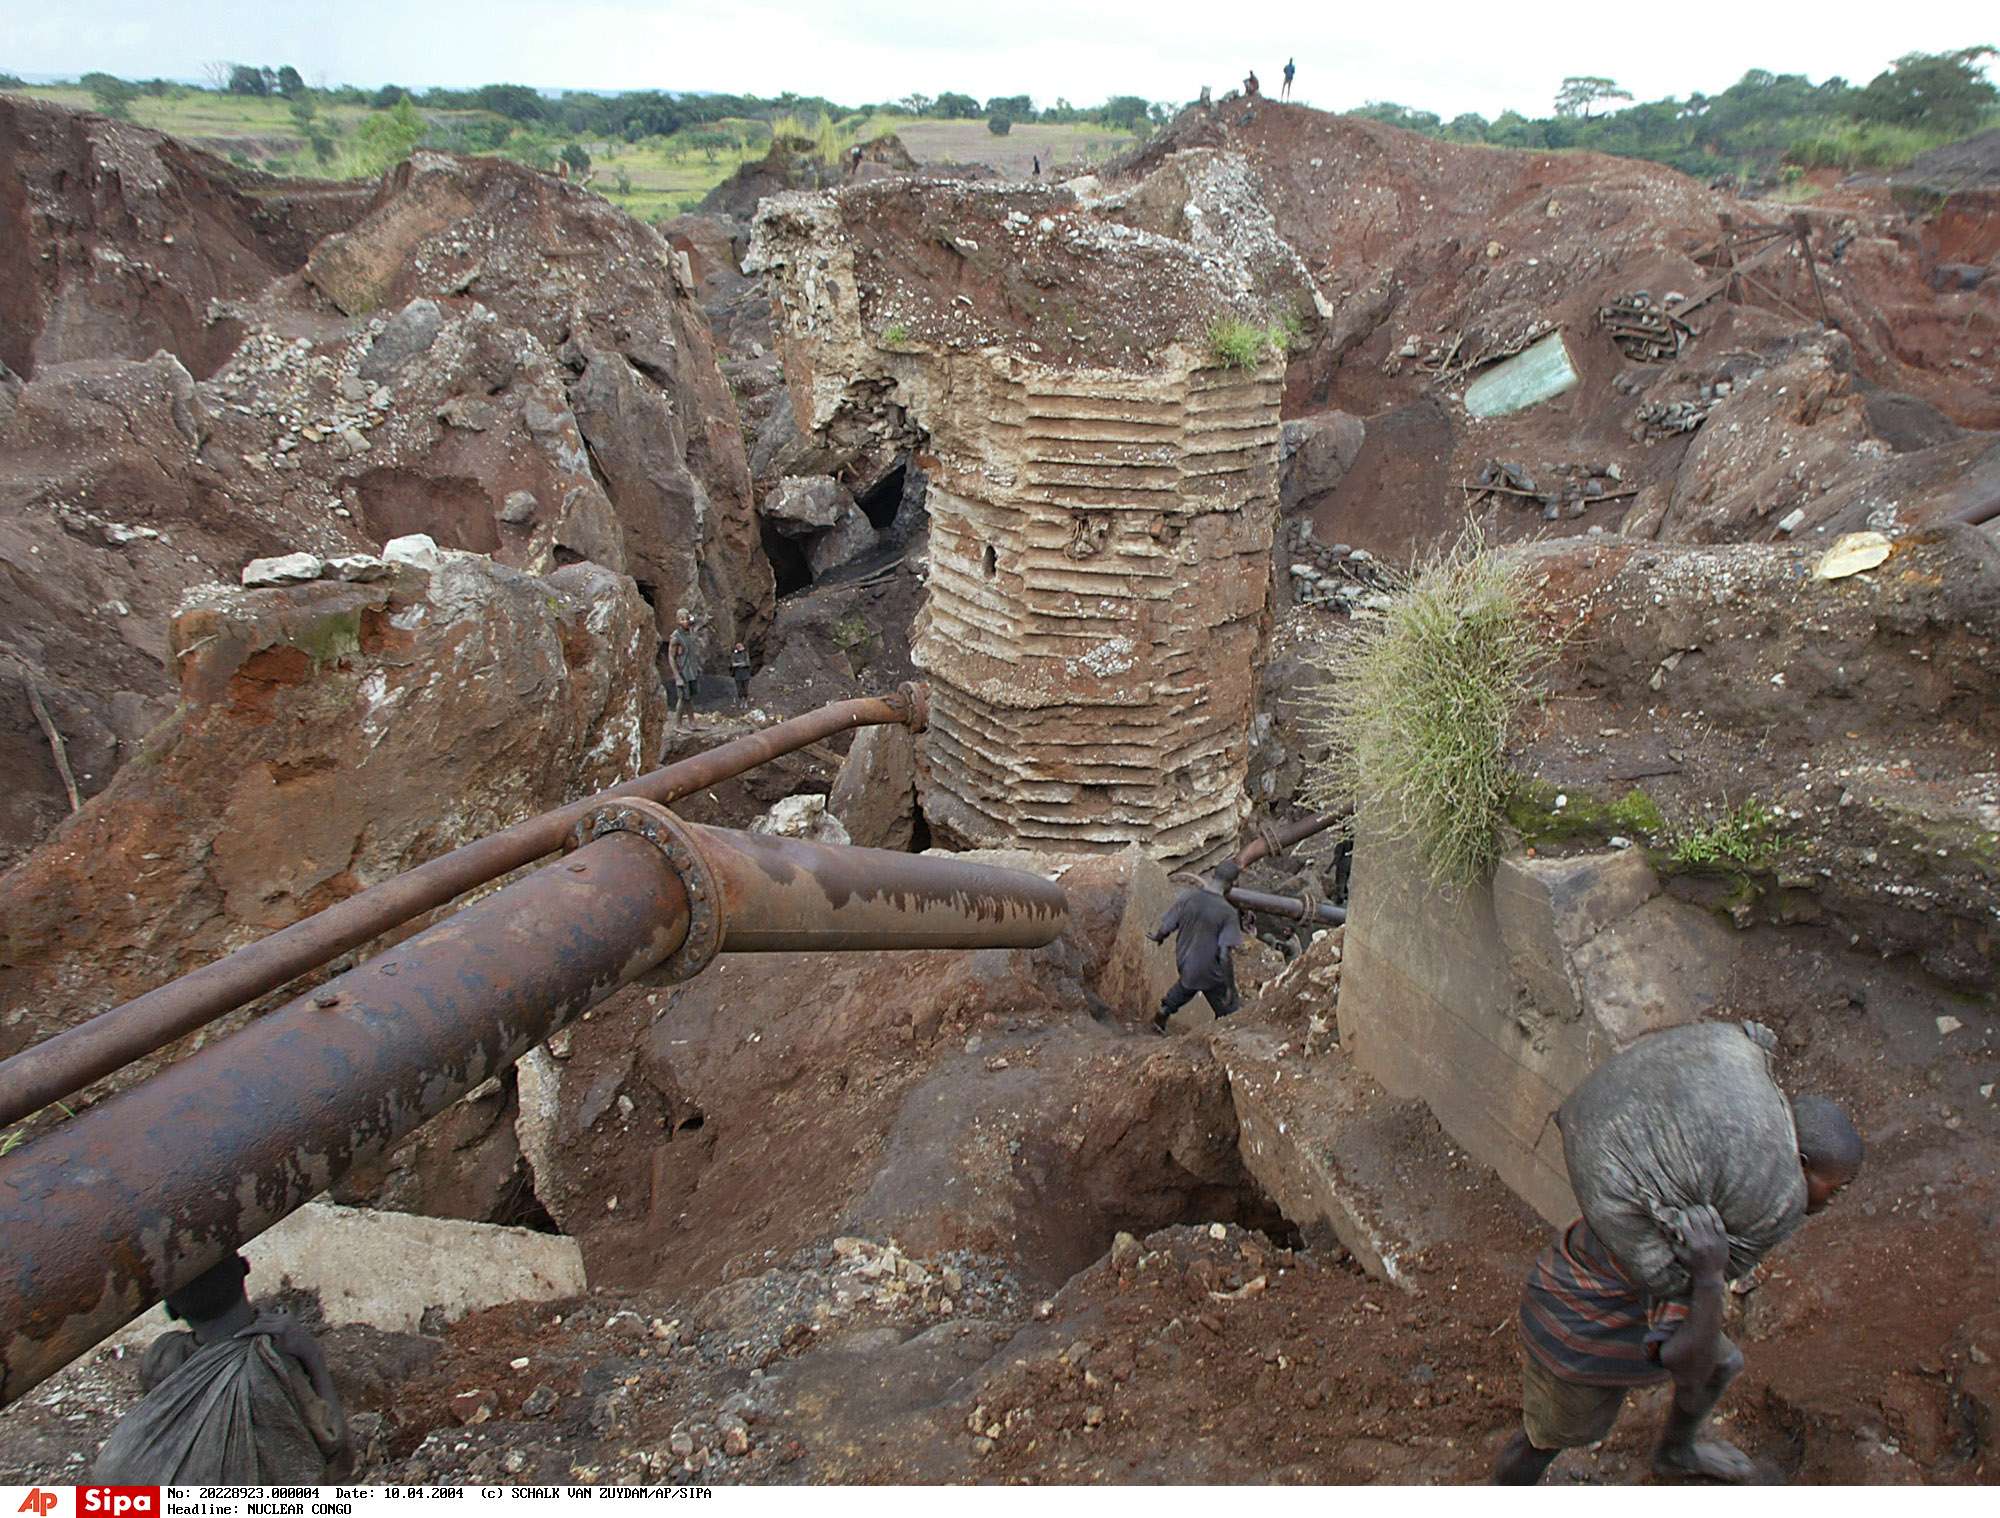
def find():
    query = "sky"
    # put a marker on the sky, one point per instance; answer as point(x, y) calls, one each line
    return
point(1442, 55)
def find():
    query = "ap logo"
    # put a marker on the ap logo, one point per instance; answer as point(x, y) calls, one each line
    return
point(38, 1502)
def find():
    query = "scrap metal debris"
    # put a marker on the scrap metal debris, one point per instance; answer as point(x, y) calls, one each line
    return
point(1651, 332)
point(1574, 488)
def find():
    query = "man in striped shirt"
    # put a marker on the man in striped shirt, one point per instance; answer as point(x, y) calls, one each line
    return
point(1590, 1333)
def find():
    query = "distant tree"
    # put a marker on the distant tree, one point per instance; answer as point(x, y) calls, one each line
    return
point(514, 101)
point(624, 181)
point(955, 107)
point(387, 96)
point(386, 137)
point(916, 104)
point(712, 145)
point(1580, 92)
point(1013, 107)
point(245, 80)
point(999, 126)
point(111, 95)
point(1127, 111)
point(1511, 129)
point(290, 85)
point(216, 71)
point(1407, 117)
point(12, 82)
point(578, 160)
point(1948, 91)
point(1470, 127)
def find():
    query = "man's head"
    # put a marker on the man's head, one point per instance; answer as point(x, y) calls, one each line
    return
point(685, 619)
point(1829, 1148)
point(210, 1294)
point(1224, 875)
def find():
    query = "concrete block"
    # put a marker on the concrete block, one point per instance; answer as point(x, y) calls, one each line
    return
point(1492, 1003)
point(389, 1269)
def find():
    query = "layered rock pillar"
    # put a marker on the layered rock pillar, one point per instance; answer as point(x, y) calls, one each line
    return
point(1097, 606)
point(1100, 533)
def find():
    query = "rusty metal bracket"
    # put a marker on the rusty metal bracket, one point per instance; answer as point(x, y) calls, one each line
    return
point(914, 697)
point(671, 837)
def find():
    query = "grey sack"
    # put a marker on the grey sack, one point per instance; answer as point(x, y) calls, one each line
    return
point(240, 1411)
point(1685, 1117)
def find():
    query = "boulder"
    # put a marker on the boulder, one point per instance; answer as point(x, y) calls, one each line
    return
point(803, 817)
point(1314, 455)
point(803, 505)
point(409, 332)
point(874, 797)
point(327, 736)
point(853, 537)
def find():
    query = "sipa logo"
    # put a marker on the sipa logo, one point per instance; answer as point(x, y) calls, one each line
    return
point(119, 1501)
point(38, 1502)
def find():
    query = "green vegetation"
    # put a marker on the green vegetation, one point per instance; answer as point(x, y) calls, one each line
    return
point(1744, 840)
point(651, 153)
point(1239, 345)
point(1415, 708)
point(12, 1139)
point(999, 126)
point(895, 335)
point(1531, 811)
point(1921, 101)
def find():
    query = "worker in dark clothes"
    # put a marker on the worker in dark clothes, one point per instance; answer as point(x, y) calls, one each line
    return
point(1250, 85)
point(1206, 929)
point(1290, 69)
point(739, 671)
point(1590, 1333)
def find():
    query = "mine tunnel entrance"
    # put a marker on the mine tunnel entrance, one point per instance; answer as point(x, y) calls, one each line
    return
point(881, 501)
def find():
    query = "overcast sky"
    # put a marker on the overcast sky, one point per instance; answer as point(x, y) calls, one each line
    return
point(1446, 57)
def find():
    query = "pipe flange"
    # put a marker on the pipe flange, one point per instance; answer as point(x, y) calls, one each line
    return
point(671, 837)
point(915, 699)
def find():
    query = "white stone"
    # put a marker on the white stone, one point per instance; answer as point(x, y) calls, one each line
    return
point(285, 569)
point(417, 548)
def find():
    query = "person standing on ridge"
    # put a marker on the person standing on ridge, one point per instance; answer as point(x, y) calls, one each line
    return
point(1206, 929)
point(1291, 68)
point(1250, 84)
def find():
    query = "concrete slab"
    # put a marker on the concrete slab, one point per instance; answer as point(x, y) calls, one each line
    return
point(389, 1269)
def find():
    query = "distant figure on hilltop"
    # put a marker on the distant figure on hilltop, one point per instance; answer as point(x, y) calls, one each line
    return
point(1291, 68)
point(854, 160)
point(1250, 84)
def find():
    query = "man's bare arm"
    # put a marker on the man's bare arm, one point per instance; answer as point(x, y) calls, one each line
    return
point(1691, 1355)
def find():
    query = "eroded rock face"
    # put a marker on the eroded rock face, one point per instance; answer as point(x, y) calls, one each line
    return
point(1096, 604)
point(114, 240)
point(605, 294)
point(507, 366)
point(329, 735)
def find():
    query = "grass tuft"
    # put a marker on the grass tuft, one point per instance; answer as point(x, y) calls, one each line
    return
point(1415, 707)
point(1742, 839)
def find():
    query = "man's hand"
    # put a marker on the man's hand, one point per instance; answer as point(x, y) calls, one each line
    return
point(1704, 1242)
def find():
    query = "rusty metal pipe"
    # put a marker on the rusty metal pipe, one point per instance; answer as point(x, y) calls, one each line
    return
point(1292, 832)
point(1979, 513)
point(1285, 906)
point(72, 1059)
point(779, 894)
point(107, 1213)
